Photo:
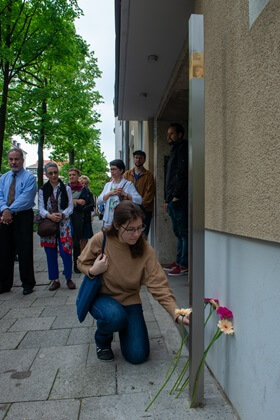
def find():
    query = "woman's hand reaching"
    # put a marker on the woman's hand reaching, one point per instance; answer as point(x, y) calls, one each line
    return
point(183, 320)
point(99, 266)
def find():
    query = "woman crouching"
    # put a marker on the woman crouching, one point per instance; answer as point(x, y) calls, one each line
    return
point(127, 263)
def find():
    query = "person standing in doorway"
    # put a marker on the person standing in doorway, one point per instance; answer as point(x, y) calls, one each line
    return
point(176, 196)
point(17, 194)
point(145, 185)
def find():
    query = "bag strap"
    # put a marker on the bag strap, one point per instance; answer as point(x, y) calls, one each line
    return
point(103, 243)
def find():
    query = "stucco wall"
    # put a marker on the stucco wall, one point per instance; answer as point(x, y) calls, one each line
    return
point(245, 278)
point(242, 80)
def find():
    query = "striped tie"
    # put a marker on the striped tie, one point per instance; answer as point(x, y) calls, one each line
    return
point(12, 191)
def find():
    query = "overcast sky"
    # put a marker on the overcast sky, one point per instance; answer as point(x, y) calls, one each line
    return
point(97, 27)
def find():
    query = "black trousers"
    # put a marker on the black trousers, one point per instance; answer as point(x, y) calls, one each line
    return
point(17, 238)
point(77, 234)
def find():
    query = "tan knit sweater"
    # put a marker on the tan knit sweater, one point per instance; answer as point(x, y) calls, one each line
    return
point(125, 274)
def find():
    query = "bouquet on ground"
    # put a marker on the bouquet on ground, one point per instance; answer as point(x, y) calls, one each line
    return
point(224, 326)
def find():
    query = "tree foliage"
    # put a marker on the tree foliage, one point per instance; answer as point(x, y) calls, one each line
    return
point(27, 29)
point(47, 82)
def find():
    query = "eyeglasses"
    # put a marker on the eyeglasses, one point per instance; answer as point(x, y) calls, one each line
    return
point(133, 230)
point(52, 173)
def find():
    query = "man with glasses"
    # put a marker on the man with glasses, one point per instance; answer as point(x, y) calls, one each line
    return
point(145, 185)
point(17, 194)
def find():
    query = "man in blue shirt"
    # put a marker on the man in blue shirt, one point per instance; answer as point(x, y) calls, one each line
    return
point(17, 194)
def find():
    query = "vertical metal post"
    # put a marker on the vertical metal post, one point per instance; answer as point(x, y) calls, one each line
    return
point(196, 202)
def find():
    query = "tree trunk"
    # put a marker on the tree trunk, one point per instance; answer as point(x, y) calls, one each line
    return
point(71, 157)
point(3, 110)
point(41, 145)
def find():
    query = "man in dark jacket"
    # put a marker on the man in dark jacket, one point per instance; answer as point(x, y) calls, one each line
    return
point(176, 196)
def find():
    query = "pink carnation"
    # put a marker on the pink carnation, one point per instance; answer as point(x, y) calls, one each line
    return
point(224, 312)
point(208, 300)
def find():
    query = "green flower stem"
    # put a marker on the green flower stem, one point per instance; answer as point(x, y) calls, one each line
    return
point(170, 373)
point(180, 377)
point(159, 391)
point(176, 357)
point(183, 387)
point(216, 336)
point(209, 315)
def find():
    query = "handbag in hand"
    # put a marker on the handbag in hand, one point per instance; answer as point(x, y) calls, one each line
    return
point(47, 227)
point(88, 291)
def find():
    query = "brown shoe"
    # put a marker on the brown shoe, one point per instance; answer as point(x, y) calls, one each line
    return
point(55, 285)
point(71, 285)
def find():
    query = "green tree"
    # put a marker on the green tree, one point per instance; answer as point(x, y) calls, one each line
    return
point(27, 29)
point(91, 162)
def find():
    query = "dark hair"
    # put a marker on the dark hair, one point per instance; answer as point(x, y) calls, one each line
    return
point(140, 153)
point(75, 170)
point(16, 149)
point(126, 211)
point(178, 127)
point(118, 163)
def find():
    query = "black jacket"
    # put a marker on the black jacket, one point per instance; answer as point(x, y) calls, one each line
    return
point(176, 179)
point(89, 206)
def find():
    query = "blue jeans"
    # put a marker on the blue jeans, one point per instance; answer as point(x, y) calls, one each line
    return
point(128, 321)
point(178, 212)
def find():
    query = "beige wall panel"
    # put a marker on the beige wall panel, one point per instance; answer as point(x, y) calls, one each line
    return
point(242, 104)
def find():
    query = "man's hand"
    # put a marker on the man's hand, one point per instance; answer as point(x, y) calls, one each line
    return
point(165, 207)
point(7, 217)
point(175, 199)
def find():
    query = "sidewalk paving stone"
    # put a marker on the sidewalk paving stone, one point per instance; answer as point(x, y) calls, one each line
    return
point(49, 301)
point(45, 410)
point(26, 385)
point(19, 312)
point(64, 310)
point(46, 338)
point(132, 406)
point(147, 377)
point(17, 360)
point(5, 324)
point(71, 321)
point(80, 335)
point(28, 324)
point(61, 356)
point(19, 303)
point(84, 382)
point(10, 340)
point(3, 410)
